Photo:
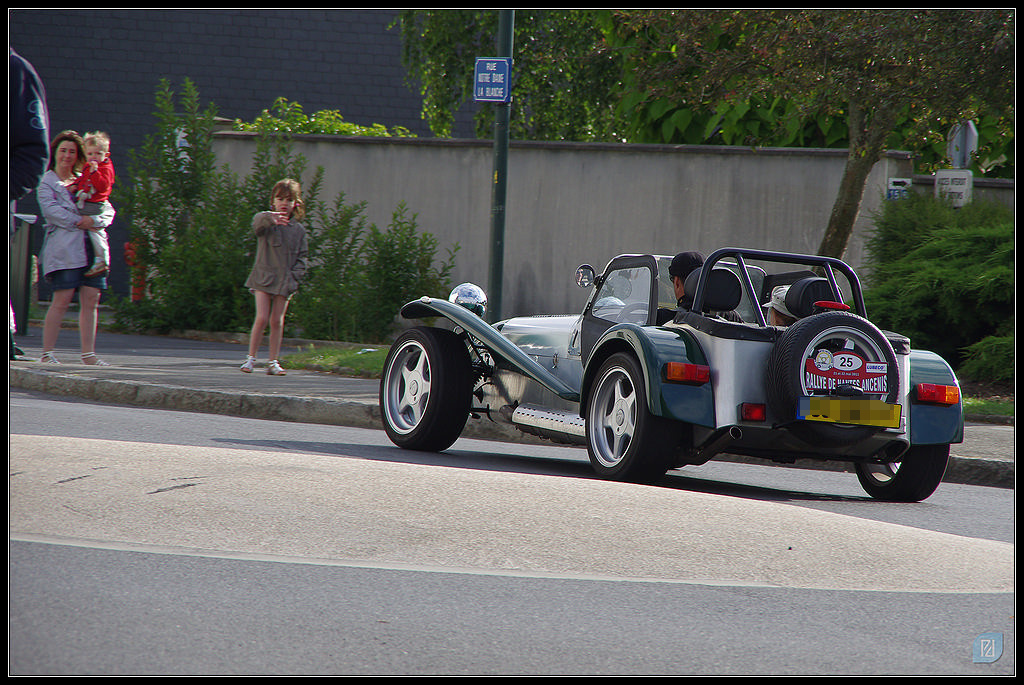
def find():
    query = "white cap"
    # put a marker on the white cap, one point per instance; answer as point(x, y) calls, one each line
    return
point(778, 301)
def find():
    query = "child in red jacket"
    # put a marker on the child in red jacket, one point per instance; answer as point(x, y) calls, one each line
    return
point(92, 191)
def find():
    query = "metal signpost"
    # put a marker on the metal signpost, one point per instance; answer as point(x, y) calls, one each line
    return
point(492, 83)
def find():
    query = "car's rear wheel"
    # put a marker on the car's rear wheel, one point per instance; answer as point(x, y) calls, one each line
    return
point(914, 478)
point(426, 389)
point(817, 340)
point(624, 439)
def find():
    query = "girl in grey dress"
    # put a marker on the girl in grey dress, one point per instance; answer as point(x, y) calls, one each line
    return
point(280, 264)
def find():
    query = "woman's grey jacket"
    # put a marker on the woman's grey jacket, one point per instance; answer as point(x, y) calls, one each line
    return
point(64, 244)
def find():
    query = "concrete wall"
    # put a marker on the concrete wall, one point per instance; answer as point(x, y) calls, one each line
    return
point(570, 204)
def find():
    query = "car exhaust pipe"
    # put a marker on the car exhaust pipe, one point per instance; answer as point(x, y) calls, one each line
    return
point(718, 445)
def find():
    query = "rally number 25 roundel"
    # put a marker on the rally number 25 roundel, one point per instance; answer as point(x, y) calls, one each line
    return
point(829, 370)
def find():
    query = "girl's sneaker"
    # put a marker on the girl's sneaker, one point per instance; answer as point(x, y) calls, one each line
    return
point(274, 369)
point(247, 366)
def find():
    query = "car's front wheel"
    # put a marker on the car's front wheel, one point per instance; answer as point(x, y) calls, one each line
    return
point(912, 479)
point(426, 389)
point(624, 439)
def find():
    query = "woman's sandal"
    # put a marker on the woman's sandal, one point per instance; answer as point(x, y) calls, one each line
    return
point(48, 358)
point(91, 359)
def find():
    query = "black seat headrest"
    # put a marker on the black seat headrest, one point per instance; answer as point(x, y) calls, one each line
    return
point(804, 293)
point(722, 292)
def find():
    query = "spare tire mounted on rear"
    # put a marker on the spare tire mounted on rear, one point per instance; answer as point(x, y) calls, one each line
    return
point(833, 354)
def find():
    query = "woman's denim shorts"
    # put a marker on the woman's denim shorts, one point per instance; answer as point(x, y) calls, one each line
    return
point(72, 279)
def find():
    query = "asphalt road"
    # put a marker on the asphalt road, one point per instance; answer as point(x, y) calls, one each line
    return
point(159, 542)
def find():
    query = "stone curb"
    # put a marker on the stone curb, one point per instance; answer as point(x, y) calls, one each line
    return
point(964, 470)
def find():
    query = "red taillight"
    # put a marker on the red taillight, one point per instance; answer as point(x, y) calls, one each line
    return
point(750, 411)
point(938, 394)
point(681, 372)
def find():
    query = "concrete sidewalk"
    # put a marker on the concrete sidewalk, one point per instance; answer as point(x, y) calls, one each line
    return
point(202, 376)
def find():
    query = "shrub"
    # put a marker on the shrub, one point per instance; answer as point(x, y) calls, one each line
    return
point(944, 277)
point(188, 223)
point(288, 117)
point(192, 229)
point(399, 267)
point(990, 359)
point(327, 306)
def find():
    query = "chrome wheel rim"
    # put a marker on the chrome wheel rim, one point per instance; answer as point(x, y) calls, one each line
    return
point(882, 473)
point(613, 416)
point(407, 387)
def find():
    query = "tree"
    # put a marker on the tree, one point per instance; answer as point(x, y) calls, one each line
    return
point(861, 79)
point(877, 68)
point(562, 87)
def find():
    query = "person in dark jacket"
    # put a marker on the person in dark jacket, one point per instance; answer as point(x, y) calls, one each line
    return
point(29, 128)
point(29, 137)
point(683, 264)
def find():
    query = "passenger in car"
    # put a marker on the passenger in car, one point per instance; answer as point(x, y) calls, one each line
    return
point(778, 313)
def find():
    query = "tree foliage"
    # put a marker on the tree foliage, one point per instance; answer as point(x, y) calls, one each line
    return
point(876, 68)
point(561, 86)
point(864, 80)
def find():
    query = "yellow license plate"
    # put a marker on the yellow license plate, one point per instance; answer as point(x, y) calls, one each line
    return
point(863, 412)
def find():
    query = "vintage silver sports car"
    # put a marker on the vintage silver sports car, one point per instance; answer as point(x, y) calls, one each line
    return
point(649, 387)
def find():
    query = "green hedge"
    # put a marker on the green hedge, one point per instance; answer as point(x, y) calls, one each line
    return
point(191, 225)
point(945, 277)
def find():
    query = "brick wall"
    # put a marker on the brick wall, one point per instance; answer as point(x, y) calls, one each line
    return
point(101, 67)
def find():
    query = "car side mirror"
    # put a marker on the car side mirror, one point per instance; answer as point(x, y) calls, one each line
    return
point(585, 276)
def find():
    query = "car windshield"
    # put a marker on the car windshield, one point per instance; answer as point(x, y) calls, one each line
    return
point(624, 296)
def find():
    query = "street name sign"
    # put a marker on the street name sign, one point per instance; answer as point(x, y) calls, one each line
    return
point(492, 79)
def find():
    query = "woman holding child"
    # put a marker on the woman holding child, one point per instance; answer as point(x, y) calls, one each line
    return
point(66, 254)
